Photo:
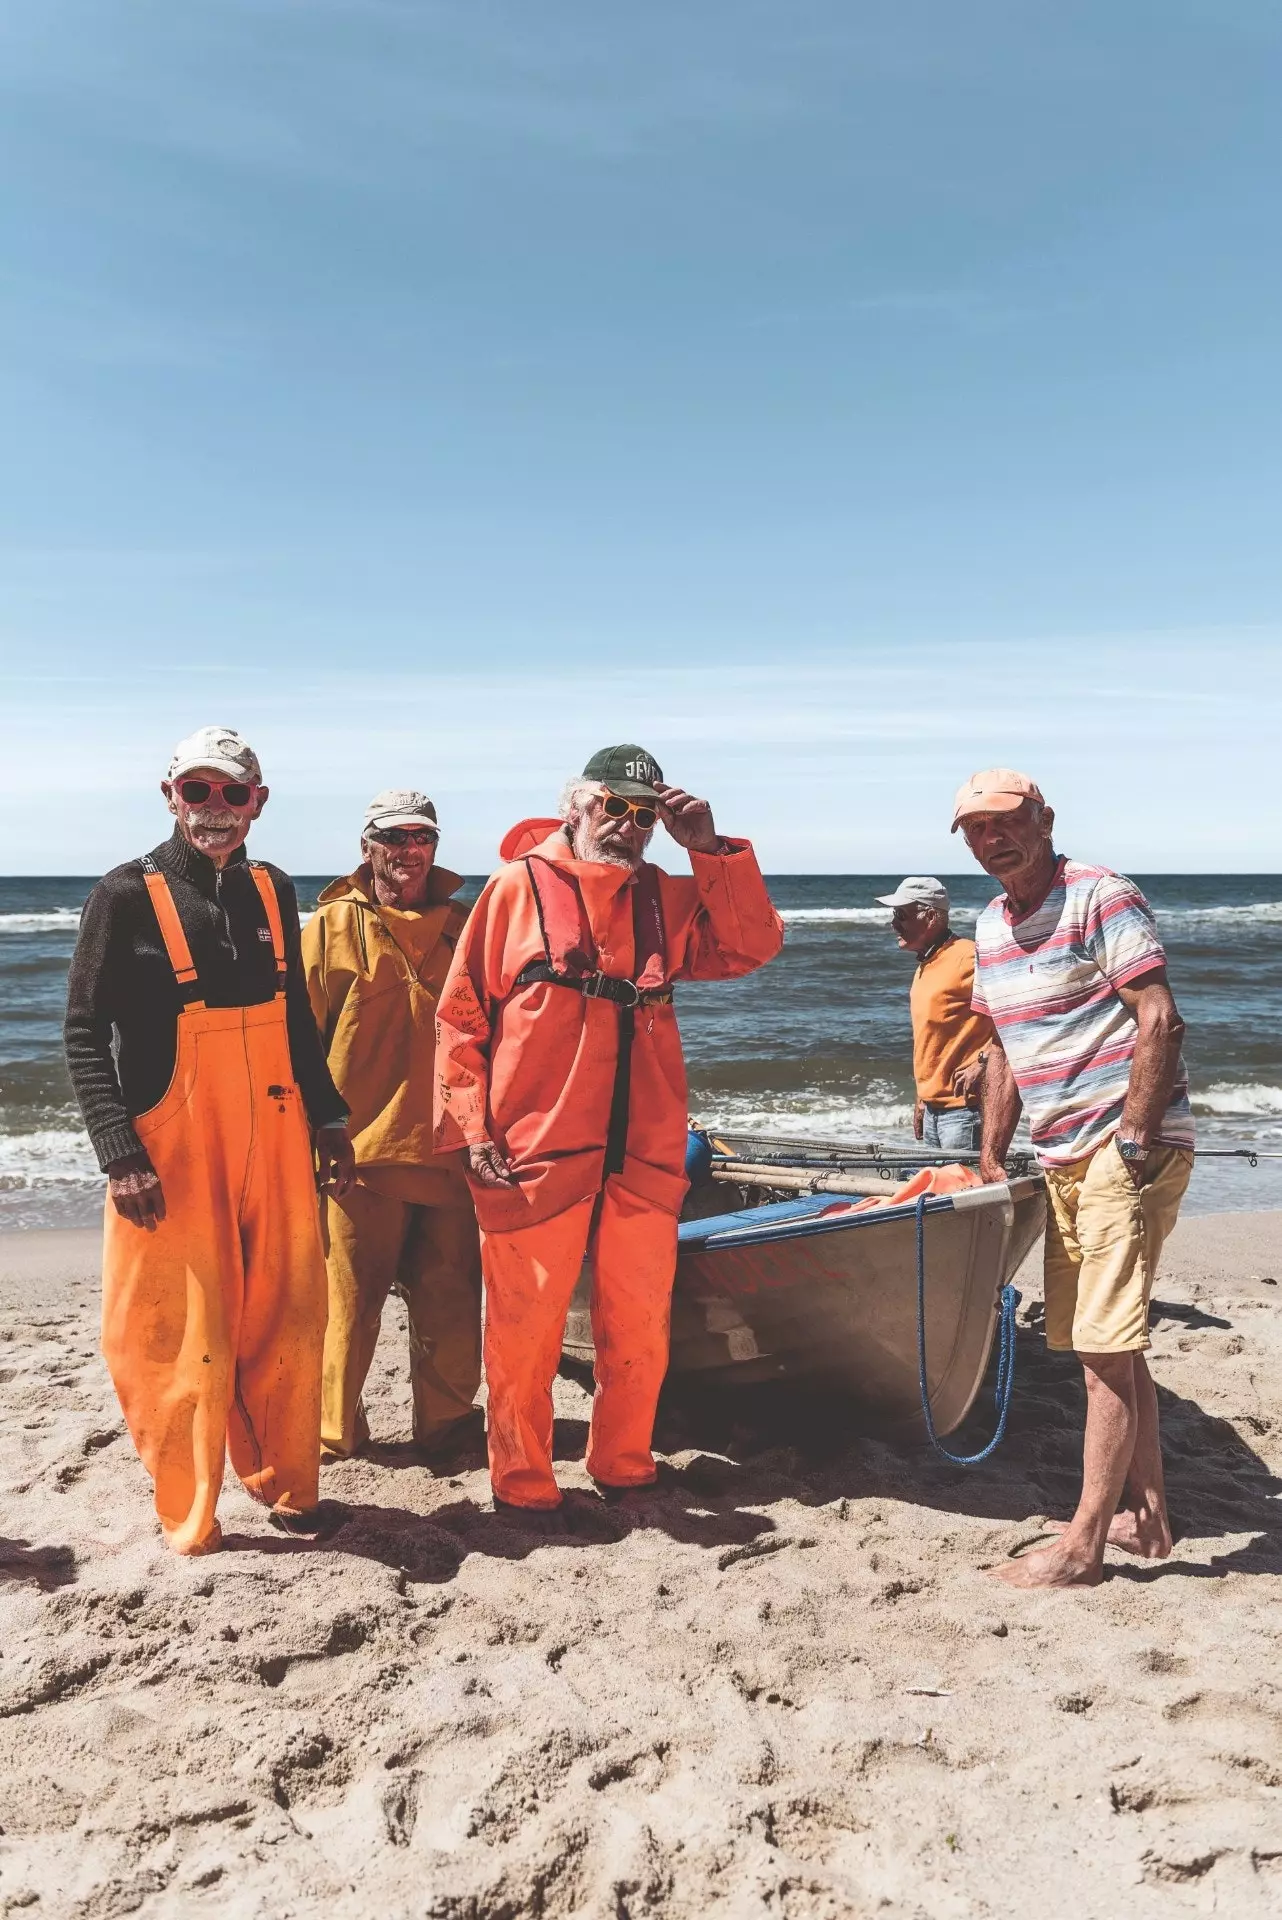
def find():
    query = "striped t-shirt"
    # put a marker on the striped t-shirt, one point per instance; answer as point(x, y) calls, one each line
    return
point(1049, 984)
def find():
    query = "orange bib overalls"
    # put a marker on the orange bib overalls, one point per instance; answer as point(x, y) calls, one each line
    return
point(213, 1326)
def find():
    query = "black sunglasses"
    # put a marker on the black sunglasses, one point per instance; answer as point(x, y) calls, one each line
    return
point(234, 793)
point(404, 836)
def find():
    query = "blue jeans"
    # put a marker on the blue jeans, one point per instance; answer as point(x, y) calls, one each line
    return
point(952, 1129)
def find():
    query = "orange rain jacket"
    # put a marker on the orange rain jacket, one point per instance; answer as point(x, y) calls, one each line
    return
point(533, 1070)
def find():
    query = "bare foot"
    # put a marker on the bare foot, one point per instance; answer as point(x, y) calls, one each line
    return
point(191, 1550)
point(1051, 1567)
point(1144, 1534)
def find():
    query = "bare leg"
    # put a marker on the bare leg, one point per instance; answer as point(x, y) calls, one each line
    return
point(1142, 1527)
point(1112, 1427)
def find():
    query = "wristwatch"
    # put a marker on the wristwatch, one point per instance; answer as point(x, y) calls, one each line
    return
point(1131, 1151)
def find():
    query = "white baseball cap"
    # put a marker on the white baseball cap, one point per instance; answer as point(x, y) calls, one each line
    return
point(222, 750)
point(918, 890)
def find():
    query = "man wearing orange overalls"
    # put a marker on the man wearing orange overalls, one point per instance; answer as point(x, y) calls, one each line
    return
point(559, 1068)
point(201, 1078)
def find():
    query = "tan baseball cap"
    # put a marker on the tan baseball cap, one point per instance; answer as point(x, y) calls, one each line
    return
point(399, 807)
point(996, 790)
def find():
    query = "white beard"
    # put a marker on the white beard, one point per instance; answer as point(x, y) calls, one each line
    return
point(584, 843)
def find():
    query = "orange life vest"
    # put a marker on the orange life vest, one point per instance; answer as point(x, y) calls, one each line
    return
point(570, 960)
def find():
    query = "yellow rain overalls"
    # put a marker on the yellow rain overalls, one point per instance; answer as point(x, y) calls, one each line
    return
point(213, 1325)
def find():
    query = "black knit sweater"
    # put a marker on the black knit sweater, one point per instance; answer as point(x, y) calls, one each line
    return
point(121, 987)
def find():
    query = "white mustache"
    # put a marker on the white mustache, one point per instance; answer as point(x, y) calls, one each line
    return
point(213, 822)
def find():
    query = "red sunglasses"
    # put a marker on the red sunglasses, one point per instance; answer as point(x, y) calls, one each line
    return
point(232, 793)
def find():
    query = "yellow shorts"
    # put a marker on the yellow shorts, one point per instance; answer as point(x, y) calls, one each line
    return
point(1104, 1237)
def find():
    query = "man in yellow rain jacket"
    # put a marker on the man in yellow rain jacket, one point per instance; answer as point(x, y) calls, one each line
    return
point(376, 954)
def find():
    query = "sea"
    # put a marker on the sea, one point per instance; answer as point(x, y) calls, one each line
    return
point(816, 1044)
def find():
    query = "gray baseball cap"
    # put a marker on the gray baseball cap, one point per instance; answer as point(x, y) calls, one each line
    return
point(399, 807)
point(918, 890)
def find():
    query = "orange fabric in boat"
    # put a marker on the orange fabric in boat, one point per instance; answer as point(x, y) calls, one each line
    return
point(533, 1069)
point(954, 1179)
point(529, 1278)
point(213, 1326)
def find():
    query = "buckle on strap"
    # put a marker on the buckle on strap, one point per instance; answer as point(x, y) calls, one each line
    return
point(604, 986)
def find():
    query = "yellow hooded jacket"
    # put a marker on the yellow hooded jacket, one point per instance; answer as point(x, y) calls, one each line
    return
point(374, 975)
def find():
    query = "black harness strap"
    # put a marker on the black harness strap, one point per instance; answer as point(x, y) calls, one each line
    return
point(626, 995)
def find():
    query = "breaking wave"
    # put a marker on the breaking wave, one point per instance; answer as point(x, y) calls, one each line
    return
point(1254, 1100)
point(800, 1116)
point(47, 1157)
point(57, 920)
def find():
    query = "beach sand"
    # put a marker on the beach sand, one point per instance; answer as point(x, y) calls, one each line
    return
point(781, 1687)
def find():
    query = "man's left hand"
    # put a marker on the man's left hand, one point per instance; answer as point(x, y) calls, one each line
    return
point(967, 1082)
point(337, 1160)
point(689, 821)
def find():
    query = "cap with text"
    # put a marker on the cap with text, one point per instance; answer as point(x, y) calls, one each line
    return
point(628, 771)
point(918, 890)
point(398, 807)
point(220, 750)
point(996, 790)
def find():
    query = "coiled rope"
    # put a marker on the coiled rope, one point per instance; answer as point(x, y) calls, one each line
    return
point(1010, 1298)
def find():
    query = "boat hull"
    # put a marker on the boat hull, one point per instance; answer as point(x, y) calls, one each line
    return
point(812, 1292)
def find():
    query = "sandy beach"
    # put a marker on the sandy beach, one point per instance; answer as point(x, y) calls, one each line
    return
point(780, 1686)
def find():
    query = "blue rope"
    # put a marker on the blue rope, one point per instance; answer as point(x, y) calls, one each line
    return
point(1005, 1389)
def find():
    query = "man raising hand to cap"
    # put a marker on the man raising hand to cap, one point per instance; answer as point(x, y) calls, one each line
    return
point(559, 1068)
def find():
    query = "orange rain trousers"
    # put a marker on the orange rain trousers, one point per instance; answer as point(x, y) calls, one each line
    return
point(529, 1278)
point(375, 1242)
point(213, 1326)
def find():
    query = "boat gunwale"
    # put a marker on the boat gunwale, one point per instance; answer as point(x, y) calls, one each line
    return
point(802, 1226)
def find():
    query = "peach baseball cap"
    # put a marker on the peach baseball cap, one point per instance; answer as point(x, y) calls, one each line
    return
point(995, 790)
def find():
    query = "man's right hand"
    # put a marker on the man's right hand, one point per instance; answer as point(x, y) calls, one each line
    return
point(136, 1192)
point(489, 1166)
point(917, 1120)
point(991, 1172)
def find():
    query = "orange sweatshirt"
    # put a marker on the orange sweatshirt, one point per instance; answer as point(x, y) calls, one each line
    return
point(946, 1033)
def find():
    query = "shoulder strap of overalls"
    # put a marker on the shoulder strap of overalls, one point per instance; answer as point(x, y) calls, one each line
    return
point(267, 894)
point(171, 932)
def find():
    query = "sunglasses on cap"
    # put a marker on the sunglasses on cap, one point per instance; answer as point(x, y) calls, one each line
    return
point(232, 793)
point(403, 836)
point(615, 807)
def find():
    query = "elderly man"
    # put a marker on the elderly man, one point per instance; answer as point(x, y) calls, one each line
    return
point(195, 1059)
point(1072, 973)
point(559, 1067)
point(949, 1037)
point(376, 954)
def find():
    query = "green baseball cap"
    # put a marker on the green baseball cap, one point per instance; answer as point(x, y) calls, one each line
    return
point(628, 771)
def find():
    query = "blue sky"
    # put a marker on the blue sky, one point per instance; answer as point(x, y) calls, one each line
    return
point(834, 398)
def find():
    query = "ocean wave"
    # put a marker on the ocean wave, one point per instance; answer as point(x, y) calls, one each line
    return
point(47, 1157)
point(1253, 1100)
point(860, 916)
point(790, 1117)
point(1260, 913)
point(835, 916)
point(57, 920)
